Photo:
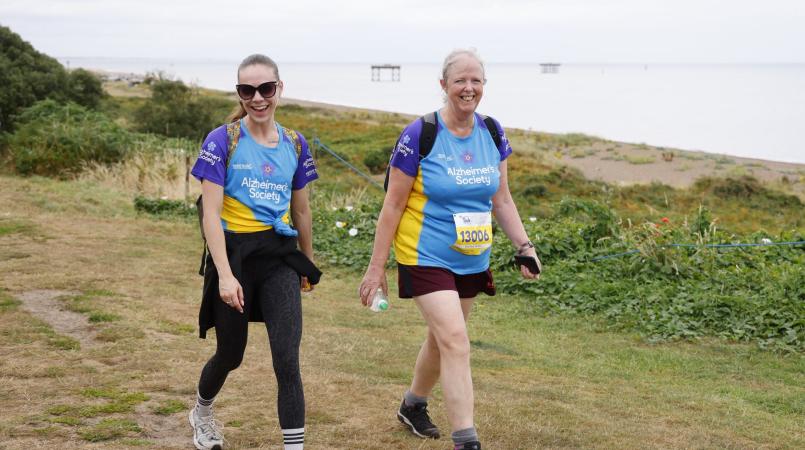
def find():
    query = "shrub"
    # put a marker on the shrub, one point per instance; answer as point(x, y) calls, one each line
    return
point(84, 88)
point(55, 139)
point(377, 160)
point(535, 190)
point(29, 76)
point(650, 284)
point(334, 243)
point(747, 188)
point(177, 110)
point(743, 187)
point(601, 221)
point(164, 207)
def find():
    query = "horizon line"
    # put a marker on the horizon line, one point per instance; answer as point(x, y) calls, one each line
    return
point(545, 61)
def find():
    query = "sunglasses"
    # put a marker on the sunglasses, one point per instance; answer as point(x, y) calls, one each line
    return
point(266, 90)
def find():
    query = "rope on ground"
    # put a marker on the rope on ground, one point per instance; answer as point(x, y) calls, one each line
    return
point(632, 252)
point(322, 146)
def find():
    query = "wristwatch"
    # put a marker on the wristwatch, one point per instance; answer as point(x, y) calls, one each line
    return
point(524, 246)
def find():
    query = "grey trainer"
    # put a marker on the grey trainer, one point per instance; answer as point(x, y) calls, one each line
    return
point(206, 432)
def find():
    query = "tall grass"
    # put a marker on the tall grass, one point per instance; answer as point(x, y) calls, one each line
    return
point(158, 167)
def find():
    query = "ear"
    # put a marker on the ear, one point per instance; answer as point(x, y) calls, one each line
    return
point(443, 84)
point(280, 87)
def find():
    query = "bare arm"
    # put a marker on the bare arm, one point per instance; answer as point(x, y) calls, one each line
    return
point(394, 203)
point(303, 222)
point(213, 201)
point(508, 218)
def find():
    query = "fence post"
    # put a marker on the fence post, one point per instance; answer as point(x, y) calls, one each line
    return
point(315, 157)
point(186, 175)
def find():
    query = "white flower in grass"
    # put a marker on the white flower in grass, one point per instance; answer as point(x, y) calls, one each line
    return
point(353, 231)
point(349, 208)
point(339, 224)
point(532, 219)
point(765, 241)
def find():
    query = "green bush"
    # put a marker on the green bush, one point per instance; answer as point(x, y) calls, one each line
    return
point(632, 277)
point(84, 88)
point(535, 190)
point(29, 76)
point(377, 160)
point(747, 189)
point(177, 110)
point(332, 239)
point(164, 207)
point(639, 278)
point(56, 139)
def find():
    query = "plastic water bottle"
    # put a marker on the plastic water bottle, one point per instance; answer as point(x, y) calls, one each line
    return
point(379, 302)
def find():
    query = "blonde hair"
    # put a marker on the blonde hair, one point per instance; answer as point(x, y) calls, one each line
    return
point(256, 59)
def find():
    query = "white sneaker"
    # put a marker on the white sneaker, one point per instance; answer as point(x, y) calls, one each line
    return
point(206, 432)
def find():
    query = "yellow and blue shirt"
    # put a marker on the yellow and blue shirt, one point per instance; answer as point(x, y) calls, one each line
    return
point(257, 180)
point(446, 221)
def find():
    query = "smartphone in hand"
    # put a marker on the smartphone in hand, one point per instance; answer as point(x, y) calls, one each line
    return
point(528, 261)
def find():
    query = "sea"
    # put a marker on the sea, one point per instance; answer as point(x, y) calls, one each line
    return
point(744, 110)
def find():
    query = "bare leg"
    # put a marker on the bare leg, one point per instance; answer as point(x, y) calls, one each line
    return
point(426, 370)
point(444, 315)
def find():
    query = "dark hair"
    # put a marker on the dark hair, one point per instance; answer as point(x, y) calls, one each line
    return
point(256, 59)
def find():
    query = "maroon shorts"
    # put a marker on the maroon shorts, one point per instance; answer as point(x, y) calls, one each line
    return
point(419, 280)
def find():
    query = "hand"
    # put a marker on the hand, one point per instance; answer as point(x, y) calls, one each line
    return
point(305, 285)
point(373, 279)
point(524, 270)
point(231, 292)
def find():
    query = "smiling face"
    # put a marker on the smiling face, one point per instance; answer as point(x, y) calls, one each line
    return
point(463, 85)
point(260, 109)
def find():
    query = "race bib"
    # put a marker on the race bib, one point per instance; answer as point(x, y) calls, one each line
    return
point(473, 232)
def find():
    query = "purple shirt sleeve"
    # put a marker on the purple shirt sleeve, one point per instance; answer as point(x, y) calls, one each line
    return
point(305, 167)
point(406, 152)
point(211, 162)
point(504, 148)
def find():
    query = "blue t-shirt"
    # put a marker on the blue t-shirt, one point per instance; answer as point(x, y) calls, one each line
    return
point(446, 219)
point(258, 180)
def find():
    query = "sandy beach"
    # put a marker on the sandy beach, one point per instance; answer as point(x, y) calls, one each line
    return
point(627, 163)
point(613, 162)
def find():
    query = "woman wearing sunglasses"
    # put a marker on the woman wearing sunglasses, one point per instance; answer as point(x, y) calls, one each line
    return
point(437, 212)
point(253, 175)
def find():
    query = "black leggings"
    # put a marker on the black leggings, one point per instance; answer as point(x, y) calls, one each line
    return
point(279, 299)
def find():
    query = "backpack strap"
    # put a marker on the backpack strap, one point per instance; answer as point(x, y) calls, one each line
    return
point(428, 135)
point(294, 137)
point(232, 137)
point(427, 138)
point(492, 127)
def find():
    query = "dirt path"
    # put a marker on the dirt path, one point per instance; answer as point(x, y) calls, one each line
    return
point(44, 304)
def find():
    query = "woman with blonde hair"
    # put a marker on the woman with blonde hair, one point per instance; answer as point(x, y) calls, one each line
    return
point(258, 227)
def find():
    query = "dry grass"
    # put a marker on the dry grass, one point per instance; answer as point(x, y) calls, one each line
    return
point(541, 382)
point(153, 174)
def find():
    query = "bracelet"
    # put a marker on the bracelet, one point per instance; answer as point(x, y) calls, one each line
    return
point(526, 245)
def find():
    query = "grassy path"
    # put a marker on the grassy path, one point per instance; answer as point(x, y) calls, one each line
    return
point(125, 378)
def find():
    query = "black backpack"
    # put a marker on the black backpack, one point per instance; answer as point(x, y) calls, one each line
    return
point(428, 136)
point(232, 136)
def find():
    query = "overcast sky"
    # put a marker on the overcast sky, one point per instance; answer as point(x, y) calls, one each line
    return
point(642, 31)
